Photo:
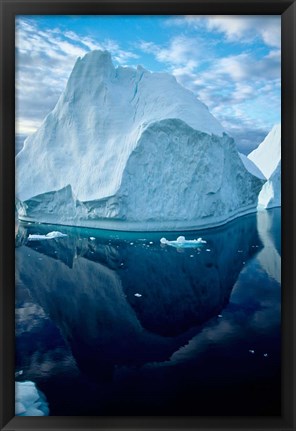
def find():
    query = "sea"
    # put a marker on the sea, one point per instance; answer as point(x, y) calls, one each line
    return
point(118, 324)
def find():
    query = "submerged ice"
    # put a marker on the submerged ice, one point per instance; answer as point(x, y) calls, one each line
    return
point(132, 150)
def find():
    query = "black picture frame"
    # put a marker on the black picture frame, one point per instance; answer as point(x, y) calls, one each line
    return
point(287, 10)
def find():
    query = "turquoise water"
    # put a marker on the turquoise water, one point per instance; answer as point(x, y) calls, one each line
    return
point(109, 323)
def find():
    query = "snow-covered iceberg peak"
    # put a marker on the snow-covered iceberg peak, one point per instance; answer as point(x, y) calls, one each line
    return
point(268, 154)
point(128, 149)
point(267, 158)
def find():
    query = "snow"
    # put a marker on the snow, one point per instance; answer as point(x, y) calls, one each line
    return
point(268, 154)
point(183, 243)
point(50, 235)
point(267, 157)
point(29, 401)
point(145, 148)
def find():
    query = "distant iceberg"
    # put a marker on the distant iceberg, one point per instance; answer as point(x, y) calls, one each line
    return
point(267, 158)
point(29, 401)
point(183, 243)
point(50, 235)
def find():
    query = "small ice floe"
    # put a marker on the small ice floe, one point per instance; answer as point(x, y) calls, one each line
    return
point(265, 355)
point(252, 351)
point(131, 243)
point(50, 235)
point(220, 315)
point(182, 242)
point(29, 401)
point(191, 255)
point(151, 242)
point(138, 295)
point(208, 249)
point(92, 238)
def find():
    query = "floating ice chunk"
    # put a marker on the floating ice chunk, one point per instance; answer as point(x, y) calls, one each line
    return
point(92, 238)
point(220, 315)
point(29, 401)
point(252, 351)
point(265, 354)
point(50, 235)
point(151, 242)
point(138, 295)
point(181, 241)
point(131, 243)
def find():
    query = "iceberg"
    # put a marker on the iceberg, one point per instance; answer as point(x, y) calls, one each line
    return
point(181, 242)
point(268, 154)
point(267, 158)
point(270, 194)
point(29, 401)
point(251, 167)
point(50, 235)
point(127, 149)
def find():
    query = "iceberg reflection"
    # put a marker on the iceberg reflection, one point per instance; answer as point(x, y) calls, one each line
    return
point(117, 303)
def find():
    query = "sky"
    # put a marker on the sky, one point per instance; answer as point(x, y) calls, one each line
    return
point(231, 63)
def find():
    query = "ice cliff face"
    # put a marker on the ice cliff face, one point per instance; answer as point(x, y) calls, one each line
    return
point(128, 149)
point(267, 158)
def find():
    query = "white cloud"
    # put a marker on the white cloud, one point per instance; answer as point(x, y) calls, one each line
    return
point(181, 51)
point(44, 60)
point(235, 27)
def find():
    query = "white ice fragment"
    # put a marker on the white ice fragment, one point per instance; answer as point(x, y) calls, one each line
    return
point(252, 351)
point(131, 243)
point(29, 401)
point(138, 295)
point(151, 242)
point(220, 315)
point(50, 235)
point(265, 354)
point(181, 241)
point(191, 255)
point(208, 249)
point(92, 238)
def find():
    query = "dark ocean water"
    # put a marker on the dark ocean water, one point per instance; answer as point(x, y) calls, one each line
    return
point(201, 337)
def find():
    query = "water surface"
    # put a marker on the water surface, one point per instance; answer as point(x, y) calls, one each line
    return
point(109, 323)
